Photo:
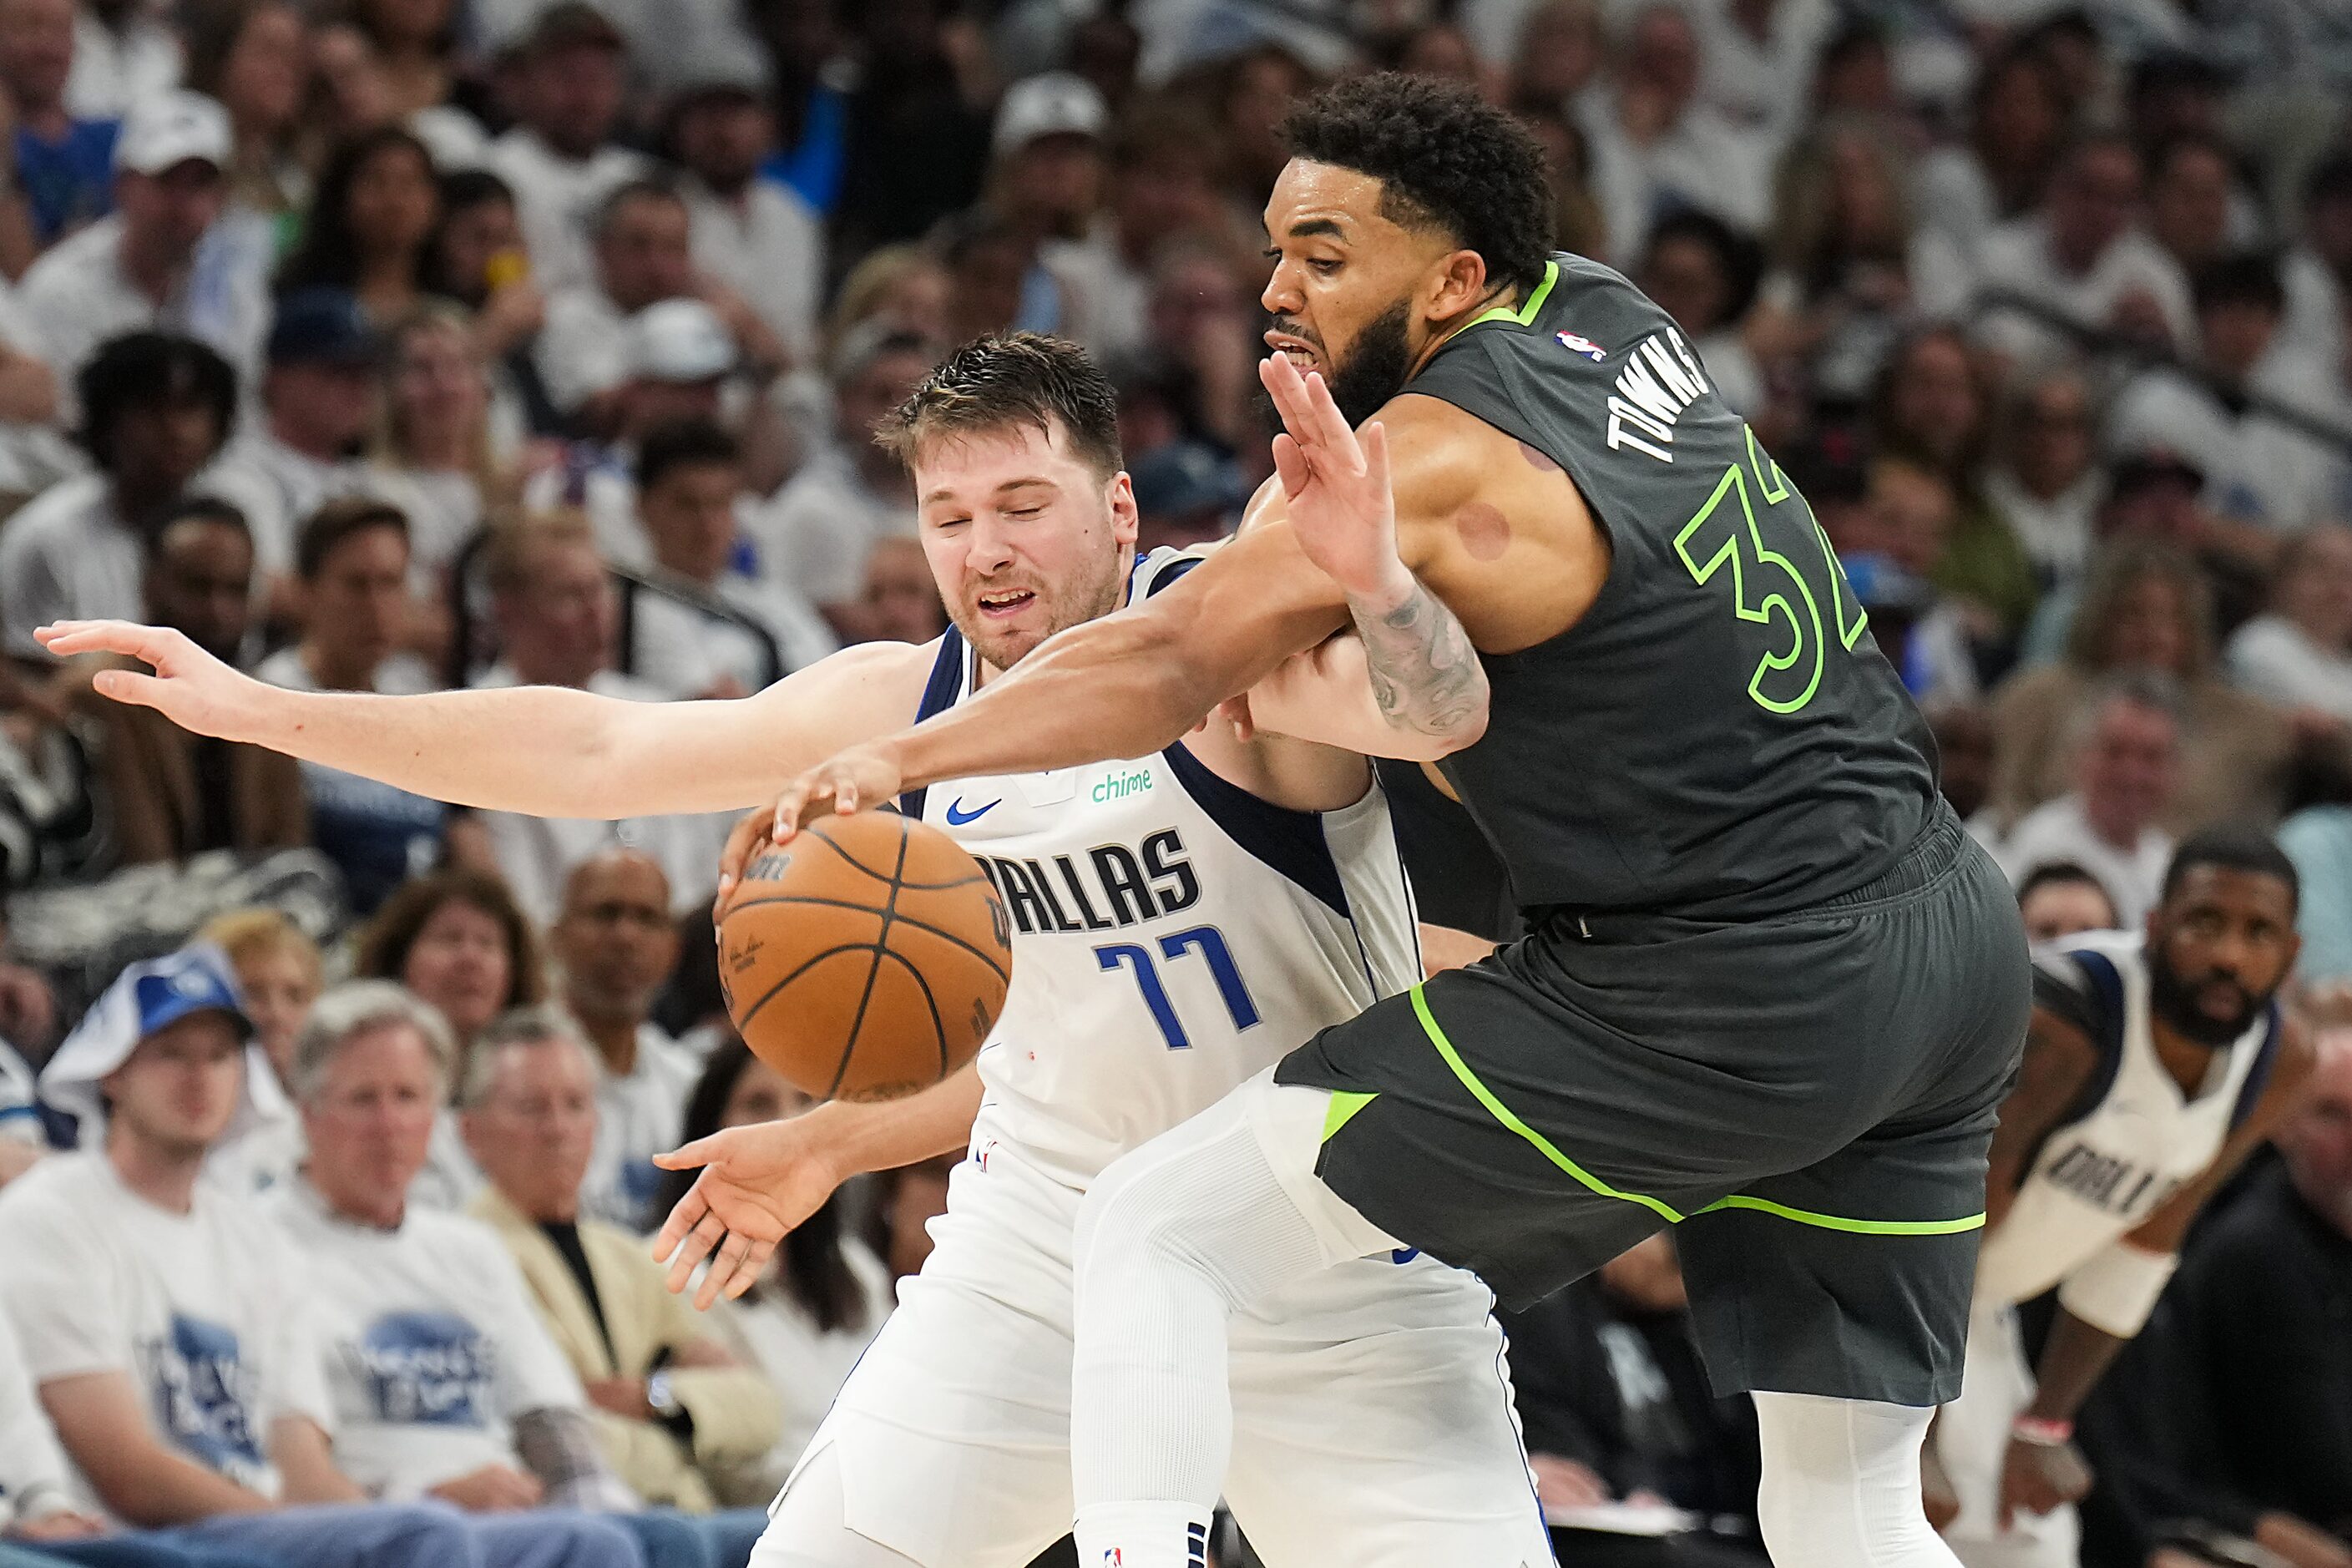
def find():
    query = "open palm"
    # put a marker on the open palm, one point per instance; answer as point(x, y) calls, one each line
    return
point(1335, 479)
point(758, 1184)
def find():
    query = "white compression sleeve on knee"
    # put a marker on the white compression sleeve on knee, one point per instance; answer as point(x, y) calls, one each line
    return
point(1841, 1487)
point(1174, 1238)
point(810, 1527)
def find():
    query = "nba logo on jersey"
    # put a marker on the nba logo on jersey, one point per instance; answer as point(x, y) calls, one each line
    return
point(1113, 1558)
point(1584, 346)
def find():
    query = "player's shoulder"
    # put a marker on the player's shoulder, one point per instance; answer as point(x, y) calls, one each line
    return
point(2084, 985)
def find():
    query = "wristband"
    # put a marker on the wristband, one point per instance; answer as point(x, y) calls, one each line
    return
point(2040, 1433)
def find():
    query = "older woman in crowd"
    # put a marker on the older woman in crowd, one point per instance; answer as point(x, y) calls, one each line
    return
point(2145, 607)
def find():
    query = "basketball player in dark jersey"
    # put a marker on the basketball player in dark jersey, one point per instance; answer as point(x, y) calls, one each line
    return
point(1770, 992)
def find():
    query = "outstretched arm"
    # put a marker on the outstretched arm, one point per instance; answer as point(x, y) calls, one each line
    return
point(545, 750)
point(1330, 695)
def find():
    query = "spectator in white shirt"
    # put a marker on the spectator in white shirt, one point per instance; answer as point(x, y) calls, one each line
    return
point(1758, 59)
point(753, 234)
point(2126, 741)
point(1657, 146)
point(443, 1383)
point(557, 617)
point(2319, 270)
point(444, 450)
point(163, 1320)
point(690, 500)
point(147, 266)
point(643, 252)
point(568, 82)
point(2017, 128)
point(615, 945)
point(319, 403)
point(2299, 654)
point(156, 412)
point(2259, 470)
point(1161, 190)
point(815, 536)
point(2082, 257)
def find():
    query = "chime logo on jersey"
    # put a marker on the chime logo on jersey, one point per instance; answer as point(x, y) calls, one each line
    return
point(1584, 346)
point(1105, 888)
point(206, 1396)
point(427, 1367)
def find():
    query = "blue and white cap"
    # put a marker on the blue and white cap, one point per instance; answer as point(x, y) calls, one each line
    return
point(145, 999)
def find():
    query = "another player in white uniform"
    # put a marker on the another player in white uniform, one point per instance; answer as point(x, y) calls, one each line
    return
point(2155, 1064)
point(1180, 922)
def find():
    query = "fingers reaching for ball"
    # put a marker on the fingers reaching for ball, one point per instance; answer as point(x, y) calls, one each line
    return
point(858, 779)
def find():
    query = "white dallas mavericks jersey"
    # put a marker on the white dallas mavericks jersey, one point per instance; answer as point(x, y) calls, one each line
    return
point(1174, 934)
point(2132, 1138)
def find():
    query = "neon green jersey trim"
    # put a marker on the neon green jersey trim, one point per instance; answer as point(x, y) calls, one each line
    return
point(1856, 1226)
point(1345, 1103)
point(1502, 1113)
point(1527, 310)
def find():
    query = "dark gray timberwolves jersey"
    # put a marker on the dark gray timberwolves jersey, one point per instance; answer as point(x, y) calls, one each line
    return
point(1718, 736)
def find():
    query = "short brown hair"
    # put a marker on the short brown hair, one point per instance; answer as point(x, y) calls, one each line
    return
point(1010, 379)
point(505, 555)
point(384, 946)
point(337, 522)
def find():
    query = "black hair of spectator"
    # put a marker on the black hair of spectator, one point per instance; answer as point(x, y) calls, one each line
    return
point(2330, 180)
point(2174, 70)
point(1854, 35)
point(645, 189)
point(387, 942)
point(1011, 379)
point(2074, 22)
point(1737, 255)
point(344, 518)
point(2247, 278)
point(1445, 158)
point(198, 509)
point(2061, 873)
point(462, 190)
point(813, 1269)
point(2234, 846)
point(152, 370)
point(683, 443)
point(328, 253)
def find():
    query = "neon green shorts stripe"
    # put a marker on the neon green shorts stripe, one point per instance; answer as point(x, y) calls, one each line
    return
point(1545, 1146)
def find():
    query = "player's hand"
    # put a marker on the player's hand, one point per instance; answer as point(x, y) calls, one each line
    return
point(758, 1183)
point(493, 1488)
point(190, 687)
point(2300, 1542)
point(858, 779)
point(2038, 1477)
point(1563, 1483)
point(1335, 482)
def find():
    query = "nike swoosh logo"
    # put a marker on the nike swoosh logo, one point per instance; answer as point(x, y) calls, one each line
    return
point(958, 817)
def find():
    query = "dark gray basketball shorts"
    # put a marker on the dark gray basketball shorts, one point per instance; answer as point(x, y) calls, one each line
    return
point(1808, 1099)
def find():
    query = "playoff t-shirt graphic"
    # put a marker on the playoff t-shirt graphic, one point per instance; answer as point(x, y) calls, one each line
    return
point(204, 1311)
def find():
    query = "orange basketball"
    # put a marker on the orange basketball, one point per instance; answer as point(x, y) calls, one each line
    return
point(866, 959)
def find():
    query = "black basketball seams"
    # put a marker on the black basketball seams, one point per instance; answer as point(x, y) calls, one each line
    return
point(930, 1003)
point(864, 997)
point(944, 935)
point(805, 965)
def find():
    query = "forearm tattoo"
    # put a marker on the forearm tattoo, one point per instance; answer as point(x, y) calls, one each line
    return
point(1425, 675)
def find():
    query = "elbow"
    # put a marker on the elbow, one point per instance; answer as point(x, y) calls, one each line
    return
point(1454, 728)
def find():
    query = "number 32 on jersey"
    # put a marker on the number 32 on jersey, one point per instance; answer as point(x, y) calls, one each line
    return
point(1732, 538)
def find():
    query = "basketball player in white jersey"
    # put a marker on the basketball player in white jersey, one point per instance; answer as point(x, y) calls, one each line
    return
point(1180, 922)
point(2154, 1065)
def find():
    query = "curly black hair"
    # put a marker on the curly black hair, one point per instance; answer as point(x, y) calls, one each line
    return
point(151, 370)
point(1445, 158)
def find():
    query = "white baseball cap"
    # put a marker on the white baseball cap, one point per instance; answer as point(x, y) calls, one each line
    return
point(169, 129)
point(679, 340)
point(1050, 104)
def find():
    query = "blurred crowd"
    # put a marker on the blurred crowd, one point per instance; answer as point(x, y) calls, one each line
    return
point(398, 345)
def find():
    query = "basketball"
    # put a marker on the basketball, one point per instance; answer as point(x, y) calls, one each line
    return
point(866, 959)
